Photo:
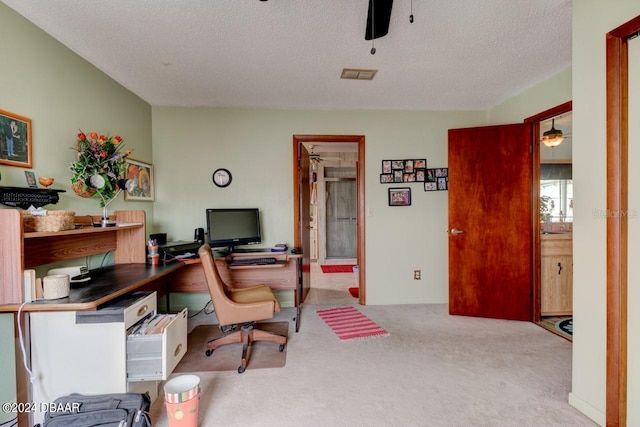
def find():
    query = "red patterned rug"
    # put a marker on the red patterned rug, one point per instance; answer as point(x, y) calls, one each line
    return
point(348, 323)
point(337, 268)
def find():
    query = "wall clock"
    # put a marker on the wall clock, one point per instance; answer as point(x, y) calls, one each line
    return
point(222, 177)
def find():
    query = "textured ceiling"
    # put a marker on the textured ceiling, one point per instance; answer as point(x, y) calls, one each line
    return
point(457, 55)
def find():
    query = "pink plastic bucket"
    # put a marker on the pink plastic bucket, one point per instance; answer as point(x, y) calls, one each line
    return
point(181, 399)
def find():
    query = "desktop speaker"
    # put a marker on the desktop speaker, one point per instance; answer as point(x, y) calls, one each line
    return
point(198, 235)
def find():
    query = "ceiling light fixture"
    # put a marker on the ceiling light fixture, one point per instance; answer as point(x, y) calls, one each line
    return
point(553, 137)
point(357, 74)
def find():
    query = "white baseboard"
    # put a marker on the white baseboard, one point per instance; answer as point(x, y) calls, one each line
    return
point(587, 409)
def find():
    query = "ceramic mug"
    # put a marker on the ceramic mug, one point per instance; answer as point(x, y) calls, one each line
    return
point(55, 286)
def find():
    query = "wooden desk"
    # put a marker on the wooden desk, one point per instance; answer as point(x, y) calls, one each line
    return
point(107, 283)
point(286, 274)
point(20, 251)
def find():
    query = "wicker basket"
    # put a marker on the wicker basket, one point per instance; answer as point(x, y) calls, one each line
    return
point(78, 189)
point(52, 221)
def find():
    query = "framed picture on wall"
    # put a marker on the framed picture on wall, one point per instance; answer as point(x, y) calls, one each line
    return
point(400, 196)
point(386, 178)
point(15, 140)
point(430, 186)
point(443, 183)
point(397, 164)
point(408, 166)
point(386, 166)
point(142, 175)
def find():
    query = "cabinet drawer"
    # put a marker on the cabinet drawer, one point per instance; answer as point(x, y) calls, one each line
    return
point(154, 356)
point(140, 309)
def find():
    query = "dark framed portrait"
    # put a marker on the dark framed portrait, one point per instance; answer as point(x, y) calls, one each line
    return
point(15, 140)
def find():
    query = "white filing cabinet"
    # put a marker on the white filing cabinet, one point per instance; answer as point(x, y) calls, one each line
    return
point(90, 352)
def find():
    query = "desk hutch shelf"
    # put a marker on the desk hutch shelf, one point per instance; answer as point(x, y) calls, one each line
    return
point(20, 250)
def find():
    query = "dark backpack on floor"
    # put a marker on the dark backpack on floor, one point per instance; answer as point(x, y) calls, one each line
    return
point(103, 410)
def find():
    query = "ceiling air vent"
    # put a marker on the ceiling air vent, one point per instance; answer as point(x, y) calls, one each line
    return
point(357, 74)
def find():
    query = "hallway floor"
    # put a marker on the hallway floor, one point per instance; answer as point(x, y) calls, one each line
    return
point(330, 288)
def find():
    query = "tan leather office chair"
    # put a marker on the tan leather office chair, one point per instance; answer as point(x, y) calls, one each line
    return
point(235, 307)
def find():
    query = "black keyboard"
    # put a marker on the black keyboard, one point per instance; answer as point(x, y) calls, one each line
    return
point(252, 261)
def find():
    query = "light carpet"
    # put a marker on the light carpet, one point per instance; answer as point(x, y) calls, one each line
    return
point(432, 370)
point(348, 323)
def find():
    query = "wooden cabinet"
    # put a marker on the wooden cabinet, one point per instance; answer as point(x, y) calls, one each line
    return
point(556, 274)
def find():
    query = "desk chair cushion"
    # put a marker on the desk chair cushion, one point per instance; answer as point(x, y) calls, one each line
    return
point(254, 294)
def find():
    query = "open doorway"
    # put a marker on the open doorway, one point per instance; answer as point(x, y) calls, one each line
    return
point(553, 220)
point(329, 217)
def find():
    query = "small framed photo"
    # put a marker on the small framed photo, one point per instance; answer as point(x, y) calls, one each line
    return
point(386, 178)
point(408, 166)
point(443, 183)
point(397, 164)
point(400, 196)
point(15, 140)
point(398, 176)
point(442, 172)
point(142, 175)
point(421, 175)
point(430, 186)
point(409, 177)
point(386, 166)
point(31, 179)
point(430, 175)
point(420, 163)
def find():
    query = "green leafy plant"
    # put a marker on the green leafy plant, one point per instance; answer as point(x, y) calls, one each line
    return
point(546, 207)
point(100, 162)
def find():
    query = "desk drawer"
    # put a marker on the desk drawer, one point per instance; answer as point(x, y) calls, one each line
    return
point(154, 356)
point(140, 309)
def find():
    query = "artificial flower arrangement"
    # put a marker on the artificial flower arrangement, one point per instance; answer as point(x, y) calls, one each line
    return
point(101, 161)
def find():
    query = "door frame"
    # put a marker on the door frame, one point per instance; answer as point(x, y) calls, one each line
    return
point(617, 75)
point(298, 140)
point(535, 199)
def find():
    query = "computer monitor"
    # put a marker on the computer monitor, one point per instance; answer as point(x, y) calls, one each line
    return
point(233, 227)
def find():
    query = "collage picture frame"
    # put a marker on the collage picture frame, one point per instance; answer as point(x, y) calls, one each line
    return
point(401, 171)
point(437, 179)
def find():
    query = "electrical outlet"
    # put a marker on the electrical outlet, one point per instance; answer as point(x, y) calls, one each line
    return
point(417, 274)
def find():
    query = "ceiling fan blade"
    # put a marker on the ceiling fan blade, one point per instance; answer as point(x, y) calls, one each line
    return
point(381, 12)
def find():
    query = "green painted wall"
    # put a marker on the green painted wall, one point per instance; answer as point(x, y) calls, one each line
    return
point(46, 82)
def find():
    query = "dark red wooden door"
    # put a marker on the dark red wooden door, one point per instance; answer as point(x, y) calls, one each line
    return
point(490, 228)
point(304, 189)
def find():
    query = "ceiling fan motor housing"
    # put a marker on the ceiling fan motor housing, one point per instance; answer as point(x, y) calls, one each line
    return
point(378, 19)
